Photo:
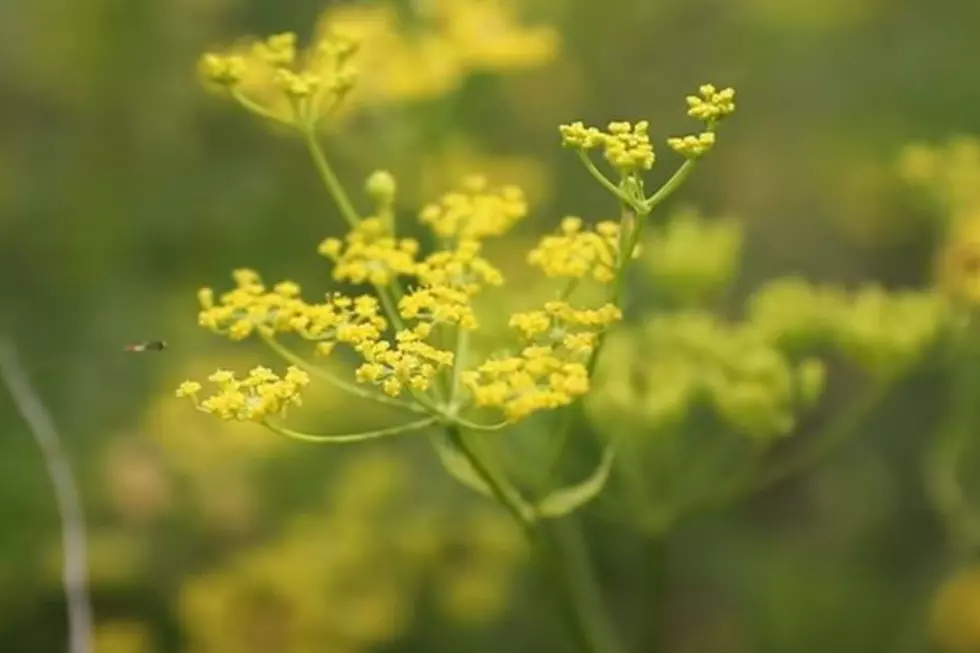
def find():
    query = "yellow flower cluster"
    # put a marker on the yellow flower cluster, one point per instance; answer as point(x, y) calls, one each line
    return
point(520, 385)
point(369, 253)
point(249, 308)
point(626, 146)
point(692, 147)
point(561, 323)
point(260, 395)
point(411, 363)
point(450, 278)
point(711, 105)
point(475, 211)
point(550, 371)
point(239, 312)
point(274, 79)
point(578, 253)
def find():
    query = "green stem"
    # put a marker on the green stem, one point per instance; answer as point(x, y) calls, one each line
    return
point(258, 109)
point(459, 361)
point(330, 181)
point(604, 180)
point(473, 426)
point(348, 438)
point(337, 382)
point(575, 595)
point(389, 307)
point(672, 184)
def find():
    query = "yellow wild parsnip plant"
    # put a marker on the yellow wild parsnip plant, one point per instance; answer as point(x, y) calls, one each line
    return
point(412, 325)
point(657, 390)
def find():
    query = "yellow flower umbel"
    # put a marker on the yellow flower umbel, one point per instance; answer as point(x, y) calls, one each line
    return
point(578, 254)
point(260, 395)
point(475, 211)
point(370, 254)
point(625, 146)
point(551, 371)
point(411, 331)
point(276, 81)
point(628, 150)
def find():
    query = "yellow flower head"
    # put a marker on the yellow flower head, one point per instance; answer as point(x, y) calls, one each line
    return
point(475, 211)
point(439, 305)
point(692, 147)
point(626, 146)
point(370, 254)
point(343, 319)
point(560, 324)
point(461, 268)
point(274, 79)
point(250, 306)
point(259, 395)
point(576, 253)
point(410, 362)
point(711, 105)
point(537, 379)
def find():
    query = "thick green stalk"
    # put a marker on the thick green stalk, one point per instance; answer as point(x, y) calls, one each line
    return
point(572, 583)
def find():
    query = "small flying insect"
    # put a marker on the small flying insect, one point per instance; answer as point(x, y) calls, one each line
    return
point(149, 345)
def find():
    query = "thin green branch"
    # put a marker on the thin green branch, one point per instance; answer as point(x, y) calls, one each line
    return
point(258, 109)
point(330, 181)
point(389, 307)
point(603, 179)
point(672, 184)
point(459, 360)
point(347, 438)
point(473, 426)
point(336, 381)
point(505, 493)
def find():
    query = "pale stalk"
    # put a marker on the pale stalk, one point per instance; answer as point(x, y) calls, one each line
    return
point(41, 426)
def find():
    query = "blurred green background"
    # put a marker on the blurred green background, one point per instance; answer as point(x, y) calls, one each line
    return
point(124, 187)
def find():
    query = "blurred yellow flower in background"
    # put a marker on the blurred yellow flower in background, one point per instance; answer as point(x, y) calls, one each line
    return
point(950, 174)
point(122, 637)
point(449, 161)
point(956, 612)
point(958, 263)
point(430, 56)
point(137, 485)
point(348, 577)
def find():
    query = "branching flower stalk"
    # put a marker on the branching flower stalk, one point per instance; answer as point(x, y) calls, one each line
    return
point(421, 302)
